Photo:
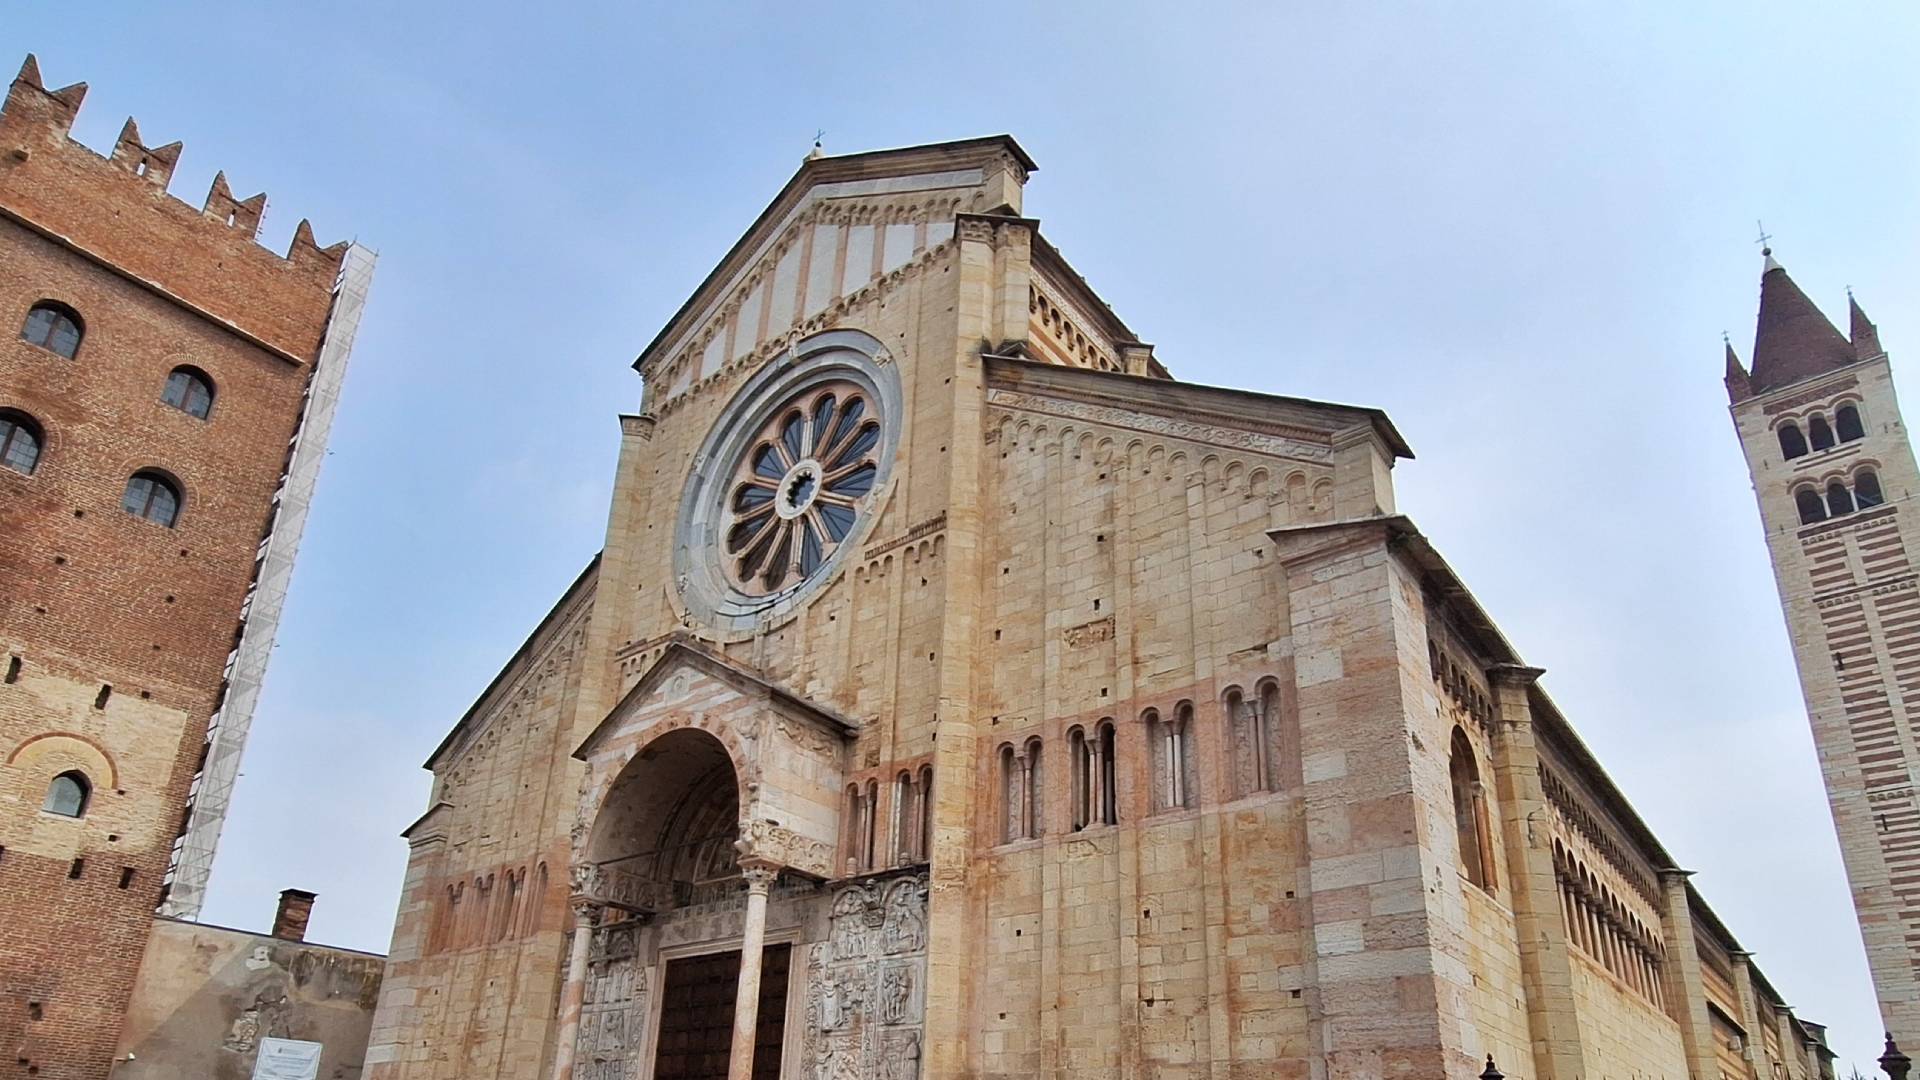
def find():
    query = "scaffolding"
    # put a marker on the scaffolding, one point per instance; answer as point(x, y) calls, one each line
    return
point(191, 862)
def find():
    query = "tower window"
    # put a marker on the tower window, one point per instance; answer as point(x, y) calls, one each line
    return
point(1792, 443)
point(68, 795)
point(19, 442)
point(1811, 508)
point(151, 495)
point(1839, 499)
point(1819, 433)
point(190, 391)
point(1866, 489)
point(53, 327)
point(1847, 419)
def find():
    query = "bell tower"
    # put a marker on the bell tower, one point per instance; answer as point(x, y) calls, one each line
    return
point(1834, 474)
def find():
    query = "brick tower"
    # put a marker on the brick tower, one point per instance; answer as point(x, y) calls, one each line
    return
point(1834, 475)
point(166, 388)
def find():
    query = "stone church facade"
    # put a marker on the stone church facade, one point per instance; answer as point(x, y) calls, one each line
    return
point(957, 694)
point(1833, 471)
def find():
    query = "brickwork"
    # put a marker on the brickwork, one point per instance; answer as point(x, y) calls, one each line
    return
point(120, 626)
point(1846, 582)
point(1199, 711)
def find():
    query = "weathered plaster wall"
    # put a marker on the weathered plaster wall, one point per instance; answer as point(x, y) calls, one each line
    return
point(207, 995)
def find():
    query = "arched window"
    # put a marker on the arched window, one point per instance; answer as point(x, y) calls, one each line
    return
point(1847, 419)
point(19, 442)
point(1172, 757)
point(1252, 735)
point(926, 813)
point(53, 327)
point(189, 390)
point(906, 818)
point(1811, 508)
point(509, 916)
point(68, 795)
point(1470, 813)
point(1866, 489)
point(1839, 499)
point(1011, 797)
point(1819, 433)
point(153, 496)
point(870, 826)
point(1036, 780)
point(856, 814)
point(1792, 443)
point(1092, 765)
point(1080, 762)
point(1106, 801)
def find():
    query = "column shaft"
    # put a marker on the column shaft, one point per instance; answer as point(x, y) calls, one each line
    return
point(573, 993)
point(746, 1003)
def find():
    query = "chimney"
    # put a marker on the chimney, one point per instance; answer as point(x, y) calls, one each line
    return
point(290, 922)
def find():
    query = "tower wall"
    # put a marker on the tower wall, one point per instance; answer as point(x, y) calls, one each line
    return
point(116, 631)
point(1851, 596)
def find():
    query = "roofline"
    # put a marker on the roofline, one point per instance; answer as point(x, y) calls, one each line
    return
point(289, 942)
point(526, 647)
point(803, 178)
point(1456, 593)
point(1044, 251)
point(1382, 424)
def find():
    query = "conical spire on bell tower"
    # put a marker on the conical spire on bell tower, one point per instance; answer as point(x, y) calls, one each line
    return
point(1792, 339)
point(1865, 335)
point(1738, 385)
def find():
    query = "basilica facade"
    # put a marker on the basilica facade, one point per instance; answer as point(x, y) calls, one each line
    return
point(957, 694)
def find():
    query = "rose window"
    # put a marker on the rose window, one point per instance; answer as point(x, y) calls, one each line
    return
point(799, 490)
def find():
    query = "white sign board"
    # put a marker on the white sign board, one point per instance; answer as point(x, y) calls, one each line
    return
point(287, 1059)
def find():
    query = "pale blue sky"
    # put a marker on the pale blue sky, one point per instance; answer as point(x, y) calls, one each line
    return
point(1519, 228)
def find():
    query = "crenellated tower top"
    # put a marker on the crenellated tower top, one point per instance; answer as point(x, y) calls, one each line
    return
point(115, 209)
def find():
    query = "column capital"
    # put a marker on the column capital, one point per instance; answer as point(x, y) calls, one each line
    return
point(759, 873)
point(1674, 873)
point(586, 909)
point(1515, 674)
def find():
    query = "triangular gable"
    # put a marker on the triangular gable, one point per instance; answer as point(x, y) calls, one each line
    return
point(838, 226)
point(684, 652)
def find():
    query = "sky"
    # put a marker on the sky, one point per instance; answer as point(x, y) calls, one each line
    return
point(1520, 228)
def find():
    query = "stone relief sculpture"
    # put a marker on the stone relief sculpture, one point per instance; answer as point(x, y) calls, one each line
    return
point(866, 995)
point(613, 1013)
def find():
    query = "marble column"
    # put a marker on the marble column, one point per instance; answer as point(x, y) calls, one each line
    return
point(573, 993)
point(746, 1004)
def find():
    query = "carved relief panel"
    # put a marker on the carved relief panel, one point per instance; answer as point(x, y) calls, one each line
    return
point(613, 1014)
point(866, 984)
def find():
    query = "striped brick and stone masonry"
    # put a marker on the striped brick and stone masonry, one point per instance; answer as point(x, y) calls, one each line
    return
point(1833, 471)
point(1128, 731)
point(124, 636)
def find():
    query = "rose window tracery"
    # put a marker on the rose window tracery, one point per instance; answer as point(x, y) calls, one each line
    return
point(789, 482)
point(797, 493)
